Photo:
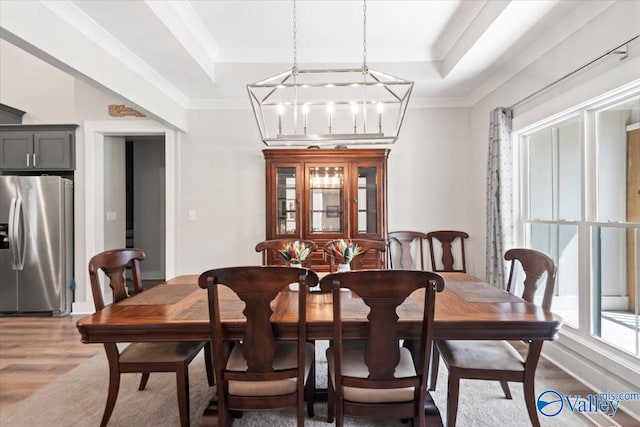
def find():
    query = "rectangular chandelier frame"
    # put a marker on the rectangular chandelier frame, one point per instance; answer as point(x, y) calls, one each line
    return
point(324, 107)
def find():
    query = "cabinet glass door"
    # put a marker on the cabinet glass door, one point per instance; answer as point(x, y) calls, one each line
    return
point(286, 201)
point(367, 200)
point(326, 200)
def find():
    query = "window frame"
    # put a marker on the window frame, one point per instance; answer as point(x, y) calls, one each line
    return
point(586, 115)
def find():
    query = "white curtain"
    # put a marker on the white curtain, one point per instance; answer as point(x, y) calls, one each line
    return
point(499, 195)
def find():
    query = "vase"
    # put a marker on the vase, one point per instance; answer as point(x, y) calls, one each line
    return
point(344, 267)
point(295, 286)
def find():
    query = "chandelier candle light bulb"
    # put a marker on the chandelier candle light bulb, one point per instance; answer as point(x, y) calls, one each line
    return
point(380, 109)
point(280, 109)
point(330, 109)
point(354, 110)
point(305, 113)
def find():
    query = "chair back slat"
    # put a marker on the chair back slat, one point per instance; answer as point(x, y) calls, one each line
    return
point(257, 287)
point(114, 263)
point(446, 239)
point(383, 291)
point(406, 240)
point(535, 264)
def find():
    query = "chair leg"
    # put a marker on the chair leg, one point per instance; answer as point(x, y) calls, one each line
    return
point(339, 411)
point(112, 396)
point(310, 389)
point(182, 386)
point(208, 364)
point(435, 365)
point(505, 389)
point(331, 401)
point(453, 391)
point(143, 380)
point(530, 401)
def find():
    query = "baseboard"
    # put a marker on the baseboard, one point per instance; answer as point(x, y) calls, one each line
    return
point(80, 308)
point(595, 368)
point(153, 275)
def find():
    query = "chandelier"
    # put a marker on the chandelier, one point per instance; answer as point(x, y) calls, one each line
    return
point(303, 107)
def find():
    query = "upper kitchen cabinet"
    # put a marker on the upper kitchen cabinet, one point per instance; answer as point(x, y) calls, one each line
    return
point(37, 147)
point(326, 194)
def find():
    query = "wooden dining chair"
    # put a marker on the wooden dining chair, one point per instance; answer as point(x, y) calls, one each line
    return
point(141, 357)
point(447, 239)
point(361, 261)
point(499, 360)
point(402, 243)
point(258, 372)
point(271, 255)
point(377, 377)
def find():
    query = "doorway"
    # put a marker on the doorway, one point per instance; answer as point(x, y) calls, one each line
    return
point(145, 202)
point(134, 187)
point(90, 227)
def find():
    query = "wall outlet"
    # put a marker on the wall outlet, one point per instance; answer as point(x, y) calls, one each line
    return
point(112, 216)
point(191, 215)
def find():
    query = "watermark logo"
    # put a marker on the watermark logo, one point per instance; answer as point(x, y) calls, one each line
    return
point(550, 403)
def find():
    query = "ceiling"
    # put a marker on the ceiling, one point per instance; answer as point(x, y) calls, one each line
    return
point(201, 54)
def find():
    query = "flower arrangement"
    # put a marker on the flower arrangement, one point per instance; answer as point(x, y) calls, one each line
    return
point(343, 252)
point(295, 252)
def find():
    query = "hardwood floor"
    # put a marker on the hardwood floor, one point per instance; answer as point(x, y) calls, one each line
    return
point(36, 350)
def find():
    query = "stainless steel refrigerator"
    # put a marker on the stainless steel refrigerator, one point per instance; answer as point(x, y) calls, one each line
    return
point(36, 245)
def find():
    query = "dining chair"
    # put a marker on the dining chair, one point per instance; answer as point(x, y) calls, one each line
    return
point(258, 372)
point(447, 239)
point(141, 357)
point(499, 360)
point(402, 243)
point(377, 377)
point(271, 255)
point(360, 261)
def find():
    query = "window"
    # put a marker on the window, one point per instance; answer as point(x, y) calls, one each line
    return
point(579, 201)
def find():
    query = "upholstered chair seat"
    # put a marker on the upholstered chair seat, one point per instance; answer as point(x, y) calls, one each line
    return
point(353, 365)
point(493, 355)
point(285, 358)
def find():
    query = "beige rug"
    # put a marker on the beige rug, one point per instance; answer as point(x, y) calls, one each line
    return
point(78, 398)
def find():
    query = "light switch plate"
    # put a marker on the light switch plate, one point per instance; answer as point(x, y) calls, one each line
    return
point(112, 216)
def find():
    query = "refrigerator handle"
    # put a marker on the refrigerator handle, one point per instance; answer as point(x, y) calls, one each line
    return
point(12, 233)
point(18, 236)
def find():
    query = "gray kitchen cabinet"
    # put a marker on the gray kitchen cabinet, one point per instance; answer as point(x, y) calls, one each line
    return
point(37, 147)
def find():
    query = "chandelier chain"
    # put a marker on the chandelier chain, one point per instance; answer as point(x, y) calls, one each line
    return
point(295, 37)
point(364, 37)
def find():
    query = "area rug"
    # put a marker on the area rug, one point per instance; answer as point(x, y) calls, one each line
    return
point(78, 398)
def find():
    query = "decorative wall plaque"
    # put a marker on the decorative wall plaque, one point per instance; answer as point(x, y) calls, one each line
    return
point(123, 110)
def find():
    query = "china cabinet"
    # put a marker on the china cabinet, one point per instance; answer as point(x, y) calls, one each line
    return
point(326, 194)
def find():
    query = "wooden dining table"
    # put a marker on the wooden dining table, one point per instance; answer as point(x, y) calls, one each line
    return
point(177, 310)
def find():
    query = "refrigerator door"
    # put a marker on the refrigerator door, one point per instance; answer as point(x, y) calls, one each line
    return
point(8, 274)
point(43, 280)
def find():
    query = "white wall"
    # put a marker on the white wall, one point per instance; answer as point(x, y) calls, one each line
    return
point(223, 182)
point(45, 93)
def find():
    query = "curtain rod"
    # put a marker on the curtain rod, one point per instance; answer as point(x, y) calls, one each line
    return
point(609, 52)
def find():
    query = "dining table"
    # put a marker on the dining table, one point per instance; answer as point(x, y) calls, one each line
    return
point(177, 310)
point(467, 308)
